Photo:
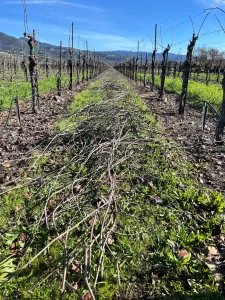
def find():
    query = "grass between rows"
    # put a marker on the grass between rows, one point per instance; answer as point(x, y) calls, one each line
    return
point(197, 91)
point(22, 89)
point(160, 210)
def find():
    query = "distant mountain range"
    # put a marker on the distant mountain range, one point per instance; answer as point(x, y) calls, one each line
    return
point(115, 56)
point(10, 43)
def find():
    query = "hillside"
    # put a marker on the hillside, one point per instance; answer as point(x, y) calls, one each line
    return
point(10, 43)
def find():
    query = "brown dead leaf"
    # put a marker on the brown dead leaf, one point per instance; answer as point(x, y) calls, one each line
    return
point(86, 296)
point(212, 253)
point(77, 267)
point(183, 254)
point(18, 208)
point(52, 202)
point(93, 222)
point(110, 241)
point(75, 285)
point(212, 250)
point(221, 237)
point(27, 195)
point(169, 156)
point(77, 188)
point(16, 252)
point(6, 165)
point(22, 237)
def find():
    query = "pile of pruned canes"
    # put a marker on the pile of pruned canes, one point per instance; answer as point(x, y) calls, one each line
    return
point(78, 188)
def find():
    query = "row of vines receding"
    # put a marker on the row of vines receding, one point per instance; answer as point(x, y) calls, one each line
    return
point(200, 65)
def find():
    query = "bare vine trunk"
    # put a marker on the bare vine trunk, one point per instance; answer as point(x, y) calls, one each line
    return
point(175, 70)
point(153, 70)
point(221, 123)
point(136, 70)
point(70, 65)
point(78, 69)
point(83, 67)
point(145, 69)
point(59, 80)
point(33, 70)
point(163, 74)
point(186, 73)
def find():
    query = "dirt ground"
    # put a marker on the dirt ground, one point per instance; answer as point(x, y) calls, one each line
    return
point(199, 147)
point(17, 144)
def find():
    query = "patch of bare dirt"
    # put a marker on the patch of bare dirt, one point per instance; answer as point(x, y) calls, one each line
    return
point(17, 144)
point(197, 146)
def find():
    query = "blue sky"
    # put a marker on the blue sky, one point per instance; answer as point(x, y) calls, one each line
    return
point(116, 24)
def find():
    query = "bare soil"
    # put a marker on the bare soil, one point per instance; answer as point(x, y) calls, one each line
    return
point(197, 146)
point(17, 144)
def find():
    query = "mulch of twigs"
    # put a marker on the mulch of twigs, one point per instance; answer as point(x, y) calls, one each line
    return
point(16, 143)
point(90, 178)
point(197, 146)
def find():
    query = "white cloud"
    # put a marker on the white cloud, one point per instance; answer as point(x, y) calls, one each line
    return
point(112, 42)
point(56, 2)
point(213, 3)
point(101, 36)
point(119, 46)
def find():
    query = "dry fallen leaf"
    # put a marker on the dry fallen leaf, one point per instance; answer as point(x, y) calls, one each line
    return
point(18, 208)
point(212, 253)
point(75, 285)
point(77, 267)
point(169, 156)
point(27, 195)
point(93, 222)
point(6, 165)
point(221, 237)
point(86, 296)
point(52, 202)
point(77, 188)
point(110, 241)
point(22, 237)
point(117, 294)
point(16, 252)
point(183, 254)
